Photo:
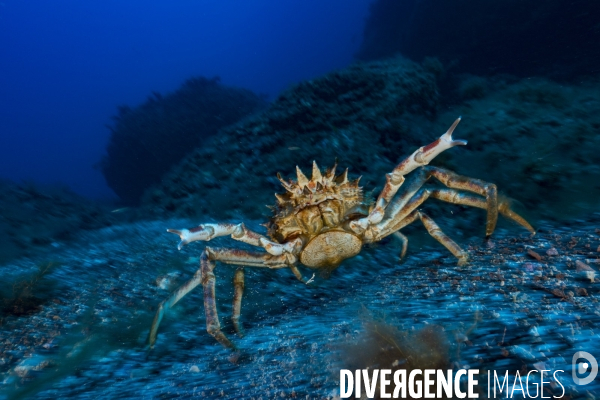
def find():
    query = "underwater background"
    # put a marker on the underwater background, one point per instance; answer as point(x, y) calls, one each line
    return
point(119, 120)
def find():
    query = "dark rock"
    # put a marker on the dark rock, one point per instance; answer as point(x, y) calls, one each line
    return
point(534, 138)
point(556, 38)
point(367, 116)
point(35, 217)
point(146, 141)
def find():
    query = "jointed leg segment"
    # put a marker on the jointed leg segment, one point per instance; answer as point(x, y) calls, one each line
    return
point(404, 240)
point(206, 276)
point(238, 292)
point(213, 326)
point(298, 274)
point(392, 211)
point(435, 231)
point(420, 157)
point(412, 197)
point(206, 232)
point(485, 189)
point(165, 305)
point(455, 197)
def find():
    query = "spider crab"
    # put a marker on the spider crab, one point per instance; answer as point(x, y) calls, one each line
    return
point(320, 222)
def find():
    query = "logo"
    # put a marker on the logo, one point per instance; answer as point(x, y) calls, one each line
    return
point(582, 367)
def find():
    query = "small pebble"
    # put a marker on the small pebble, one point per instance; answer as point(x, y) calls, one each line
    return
point(529, 267)
point(535, 255)
point(540, 366)
point(585, 270)
point(552, 252)
point(581, 266)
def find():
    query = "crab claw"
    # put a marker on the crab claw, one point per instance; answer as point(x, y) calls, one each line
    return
point(427, 153)
point(187, 236)
point(183, 234)
point(447, 137)
point(277, 249)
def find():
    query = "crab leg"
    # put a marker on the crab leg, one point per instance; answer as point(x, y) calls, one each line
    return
point(292, 247)
point(206, 276)
point(238, 292)
point(485, 189)
point(404, 241)
point(456, 197)
point(206, 232)
point(165, 305)
point(419, 158)
point(396, 209)
point(401, 223)
point(213, 326)
point(397, 219)
point(405, 202)
point(391, 225)
point(411, 197)
point(298, 274)
point(435, 231)
point(395, 179)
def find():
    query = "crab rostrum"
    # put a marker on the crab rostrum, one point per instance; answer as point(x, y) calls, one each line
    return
point(322, 221)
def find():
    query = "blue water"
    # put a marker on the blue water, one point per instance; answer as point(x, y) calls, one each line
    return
point(67, 65)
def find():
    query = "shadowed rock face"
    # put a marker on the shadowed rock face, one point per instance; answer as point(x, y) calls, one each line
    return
point(556, 38)
point(534, 138)
point(360, 115)
point(147, 140)
point(34, 218)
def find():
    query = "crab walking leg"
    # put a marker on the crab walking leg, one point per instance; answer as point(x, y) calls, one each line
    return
point(422, 156)
point(410, 218)
point(397, 208)
point(456, 197)
point(206, 276)
point(398, 203)
point(404, 241)
point(409, 199)
point(227, 256)
point(435, 231)
point(406, 216)
point(298, 274)
point(213, 326)
point(391, 225)
point(165, 305)
point(238, 292)
point(206, 232)
point(485, 189)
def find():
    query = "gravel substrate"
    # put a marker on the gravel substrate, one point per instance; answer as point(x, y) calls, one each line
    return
point(522, 303)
